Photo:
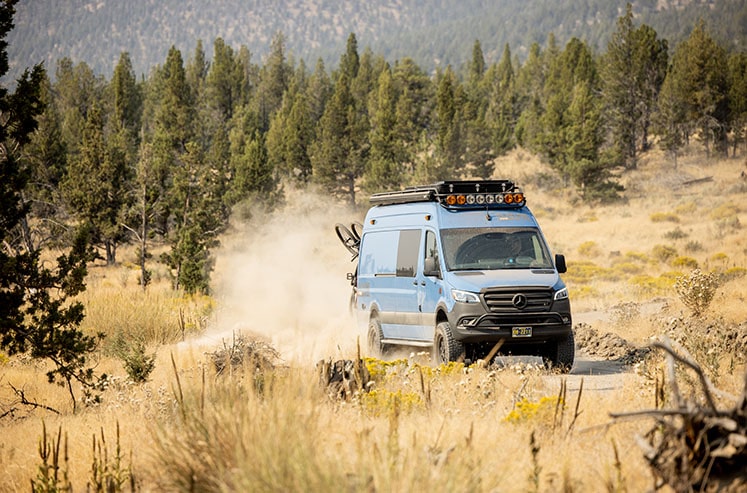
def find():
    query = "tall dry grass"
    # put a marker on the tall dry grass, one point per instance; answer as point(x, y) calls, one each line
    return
point(483, 429)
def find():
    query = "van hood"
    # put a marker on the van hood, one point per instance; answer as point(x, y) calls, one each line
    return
point(477, 280)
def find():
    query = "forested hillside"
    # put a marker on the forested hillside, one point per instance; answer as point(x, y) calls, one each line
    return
point(434, 33)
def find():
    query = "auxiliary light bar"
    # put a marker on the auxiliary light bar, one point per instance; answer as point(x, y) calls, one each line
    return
point(516, 199)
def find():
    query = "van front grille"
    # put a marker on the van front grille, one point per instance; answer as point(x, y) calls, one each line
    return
point(513, 300)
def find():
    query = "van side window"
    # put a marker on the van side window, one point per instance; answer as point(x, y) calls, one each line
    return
point(377, 257)
point(431, 249)
point(408, 252)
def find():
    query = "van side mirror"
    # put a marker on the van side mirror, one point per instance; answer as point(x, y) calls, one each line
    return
point(560, 264)
point(430, 268)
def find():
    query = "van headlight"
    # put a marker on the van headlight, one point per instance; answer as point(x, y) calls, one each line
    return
point(561, 294)
point(464, 296)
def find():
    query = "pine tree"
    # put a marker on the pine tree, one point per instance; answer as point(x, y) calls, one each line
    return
point(738, 98)
point(273, 81)
point(77, 89)
point(200, 217)
point(319, 91)
point(173, 115)
point(584, 136)
point(197, 69)
point(126, 99)
point(501, 113)
point(95, 184)
point(449, 142)
point(339, 153)
point(414, 103)
point(530, 99)
point(670, 118)
point(633, 70)
point(476, 135)
point(698, 82)
point(384, 170)
point(223, 81)
point(332, 149)
point(290, 135)
point(46, 155)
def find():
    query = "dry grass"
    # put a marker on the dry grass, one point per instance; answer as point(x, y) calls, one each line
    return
point(188, 428)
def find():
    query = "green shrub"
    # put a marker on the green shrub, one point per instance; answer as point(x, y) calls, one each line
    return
point(137, 363)
point(696, 290)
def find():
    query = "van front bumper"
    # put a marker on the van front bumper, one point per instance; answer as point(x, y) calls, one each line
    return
point(471, 323)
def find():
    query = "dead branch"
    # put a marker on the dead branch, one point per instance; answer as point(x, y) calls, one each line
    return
point(694, 447)
point(33, 404)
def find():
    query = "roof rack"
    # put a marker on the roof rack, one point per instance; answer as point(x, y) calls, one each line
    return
point(457, 194)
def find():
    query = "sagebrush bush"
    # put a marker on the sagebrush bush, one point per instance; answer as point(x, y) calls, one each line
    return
point(663, 253)
point(660, 217)
point(675, 234)
point(589, 249)
point(685, 262)
point(696, 290)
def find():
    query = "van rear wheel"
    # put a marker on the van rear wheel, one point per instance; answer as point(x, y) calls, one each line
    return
point(445, 347)
point(376, 348)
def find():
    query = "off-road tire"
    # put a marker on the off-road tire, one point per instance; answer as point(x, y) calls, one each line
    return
point(445, 347)
point(562, 353)
point(376, 348)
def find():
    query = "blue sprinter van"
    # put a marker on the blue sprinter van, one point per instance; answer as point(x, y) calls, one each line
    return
point(459, 266)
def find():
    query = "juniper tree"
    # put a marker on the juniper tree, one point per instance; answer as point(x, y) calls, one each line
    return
point(37, 313)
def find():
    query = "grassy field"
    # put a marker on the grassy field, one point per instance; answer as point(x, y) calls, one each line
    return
point(281, 280)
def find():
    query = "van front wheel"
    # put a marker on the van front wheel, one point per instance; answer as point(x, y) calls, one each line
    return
point(445, 347)
point(562, 353)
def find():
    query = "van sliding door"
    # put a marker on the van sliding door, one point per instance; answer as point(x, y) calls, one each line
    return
point(408, 313)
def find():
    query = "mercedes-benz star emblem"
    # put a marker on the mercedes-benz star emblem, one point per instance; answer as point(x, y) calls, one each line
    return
point(519, 301)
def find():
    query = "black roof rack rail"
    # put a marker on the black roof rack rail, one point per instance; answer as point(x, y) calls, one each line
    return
point(435, 191)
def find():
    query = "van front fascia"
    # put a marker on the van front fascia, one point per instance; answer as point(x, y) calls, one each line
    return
point(502, 309)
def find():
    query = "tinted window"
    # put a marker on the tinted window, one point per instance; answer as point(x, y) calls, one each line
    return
point(408, 253)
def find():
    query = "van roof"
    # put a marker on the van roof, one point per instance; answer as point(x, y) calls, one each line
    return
point(419, 214)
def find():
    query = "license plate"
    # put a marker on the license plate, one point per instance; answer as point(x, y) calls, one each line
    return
point(521, 332)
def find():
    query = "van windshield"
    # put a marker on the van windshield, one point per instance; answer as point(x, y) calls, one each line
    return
point(498, 248)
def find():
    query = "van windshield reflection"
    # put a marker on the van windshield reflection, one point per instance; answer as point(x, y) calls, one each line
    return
point(499, 248)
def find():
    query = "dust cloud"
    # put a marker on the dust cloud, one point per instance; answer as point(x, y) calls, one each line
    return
point(282, 277)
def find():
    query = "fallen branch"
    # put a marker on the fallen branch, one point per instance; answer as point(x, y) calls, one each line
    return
point(694, 447)
point(33, 404)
